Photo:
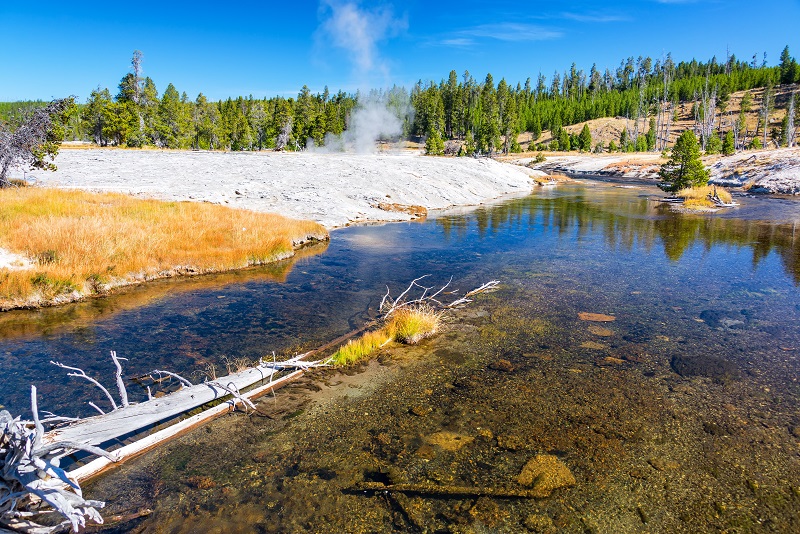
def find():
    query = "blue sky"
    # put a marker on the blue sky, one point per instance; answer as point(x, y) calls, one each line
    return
point(53, 49)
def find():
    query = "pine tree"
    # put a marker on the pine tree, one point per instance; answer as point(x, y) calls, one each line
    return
point(585, 139)
point(728, 144)
point(788, 67)
point(684, 168)
point(469, 144)
point(434, 145)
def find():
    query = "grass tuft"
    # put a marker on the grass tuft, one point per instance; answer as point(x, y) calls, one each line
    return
point(698, 197)
point(358, 349)
point(406, 325)
point(413, 324)
point(88, 242)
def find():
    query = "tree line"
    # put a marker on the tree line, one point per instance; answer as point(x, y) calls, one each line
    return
point(483, 117)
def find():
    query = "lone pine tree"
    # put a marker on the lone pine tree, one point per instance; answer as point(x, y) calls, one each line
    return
point(684, 168)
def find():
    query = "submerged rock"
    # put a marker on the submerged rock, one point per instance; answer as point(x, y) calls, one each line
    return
point(596, 317)
point(545, 473)
point(704, 365)
point(600, 331)
point(540, 523)
point(502, 365)
point(449, 441)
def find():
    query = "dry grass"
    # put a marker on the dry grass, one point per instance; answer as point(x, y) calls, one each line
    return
point(406, 325)
point(698, 197)
point(703, 192)
point(413, 324)
point(87, 242)
point(550, 178)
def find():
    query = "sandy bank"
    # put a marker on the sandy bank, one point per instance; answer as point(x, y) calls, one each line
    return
point(332, 189)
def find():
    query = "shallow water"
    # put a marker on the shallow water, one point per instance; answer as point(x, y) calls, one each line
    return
point(680, 415)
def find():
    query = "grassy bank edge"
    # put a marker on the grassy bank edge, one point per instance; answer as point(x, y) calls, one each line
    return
point(83, 244)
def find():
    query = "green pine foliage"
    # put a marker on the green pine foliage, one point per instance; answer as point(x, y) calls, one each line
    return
point(136, 114)
point(684, 168)
point(585, 139)
point(714, 144)
point(728, 144)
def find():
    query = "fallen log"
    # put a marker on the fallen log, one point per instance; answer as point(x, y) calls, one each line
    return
point(99, 465)
point(434, 490)
point(102, 429)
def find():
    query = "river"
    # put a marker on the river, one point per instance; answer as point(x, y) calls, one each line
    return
point(680, 414)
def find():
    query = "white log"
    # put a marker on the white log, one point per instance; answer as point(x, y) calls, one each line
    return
point(127, 452)
point(101, 429)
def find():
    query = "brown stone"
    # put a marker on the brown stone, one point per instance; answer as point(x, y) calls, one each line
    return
point(600, 331)
point(201, 482)
point(545, 473)
point(610, 360)
point(421, 411)
point(502, 365)
point(449, 441)
point(596, 317)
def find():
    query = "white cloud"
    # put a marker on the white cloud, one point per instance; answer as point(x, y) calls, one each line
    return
point(593, 17)
point(503, 31)
point(358, 31)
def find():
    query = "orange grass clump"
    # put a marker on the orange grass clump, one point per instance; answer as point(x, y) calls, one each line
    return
point(82, 243)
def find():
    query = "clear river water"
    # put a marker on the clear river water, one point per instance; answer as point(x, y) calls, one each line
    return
point(679, 415)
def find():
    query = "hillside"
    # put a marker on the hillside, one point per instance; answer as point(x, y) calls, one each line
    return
point(609, 129)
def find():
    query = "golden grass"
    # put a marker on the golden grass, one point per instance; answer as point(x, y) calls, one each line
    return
point(413, 324)
point(358, 349)
point(86, 242)
point(698, 197)
point(550, 178)
point(406, 325)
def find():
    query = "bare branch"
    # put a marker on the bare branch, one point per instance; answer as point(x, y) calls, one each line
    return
point(37, 424)
point(81, 374)
point(234, 391)
point(123, 393)
point(182, 380)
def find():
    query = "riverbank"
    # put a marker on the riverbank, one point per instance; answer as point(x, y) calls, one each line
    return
point(763, 171)
point(69, 245)
point(334, 190)
point(318, 190)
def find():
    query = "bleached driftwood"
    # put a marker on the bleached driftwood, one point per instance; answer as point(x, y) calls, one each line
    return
point(124, 421)
point(31, 477)
point(430, 296)
point(140, 446)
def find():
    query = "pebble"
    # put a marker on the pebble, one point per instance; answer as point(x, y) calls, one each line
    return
point(596, 317)
point(545, 473)
point(502, 365)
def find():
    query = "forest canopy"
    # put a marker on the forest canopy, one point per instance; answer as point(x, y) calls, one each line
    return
point(486, 116)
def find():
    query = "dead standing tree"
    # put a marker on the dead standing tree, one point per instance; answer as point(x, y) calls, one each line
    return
point(35, 142)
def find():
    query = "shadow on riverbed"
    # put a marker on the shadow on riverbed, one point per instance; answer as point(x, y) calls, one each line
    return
point(49, 320)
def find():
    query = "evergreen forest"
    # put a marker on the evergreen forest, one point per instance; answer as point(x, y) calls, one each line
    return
point(461, 114)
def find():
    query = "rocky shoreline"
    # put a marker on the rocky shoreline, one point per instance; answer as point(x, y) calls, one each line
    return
point(764, 171)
